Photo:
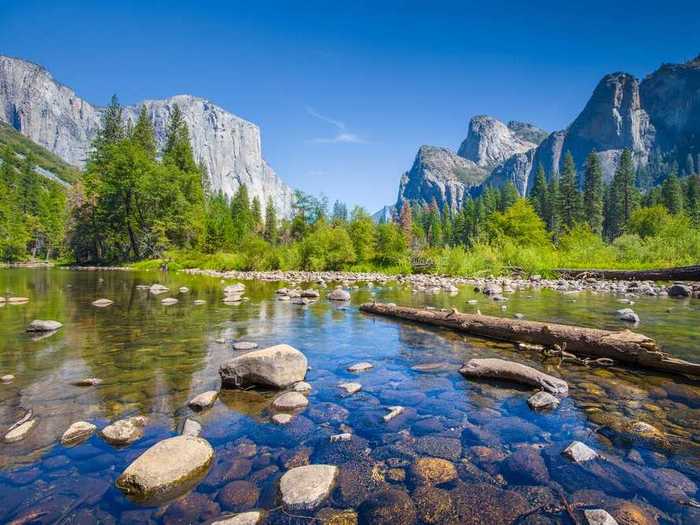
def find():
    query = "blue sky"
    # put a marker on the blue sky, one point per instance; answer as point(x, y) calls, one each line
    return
point(345, 93)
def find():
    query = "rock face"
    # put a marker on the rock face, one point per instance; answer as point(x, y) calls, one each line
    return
point(490, 142)
point(659, 114)
point(53, 116)
point(440, 175)
point(166, 467)
point(278, 366)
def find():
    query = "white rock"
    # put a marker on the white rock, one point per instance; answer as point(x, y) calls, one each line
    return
point(542, 400)
point(165, 467)
point(599, 517)
point(345, 436)
point(244, 518)
point(169, 301)
point(199, 302)
point(242, 346)
point(102, 303)
point(43, 326)
point(290, 401)
point(157, 289)
point(305, 488)
point(302, 387)
point(203, 400)
point(278, 366)
point(579, 452)
point(282, 419)
point(184, 289)
point(77, 433)
point(17, 300)
point(360, 367)
point(393, 412)
point(20, 432)
point(350, 388)
point(191, 428)
point(88, 381)
point(124, 431)
point(7, 378)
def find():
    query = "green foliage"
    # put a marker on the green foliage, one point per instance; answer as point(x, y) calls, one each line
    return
point(327, 248)
point(570, 195)
point(519, 224)
point(593, 194)
point(647, 222)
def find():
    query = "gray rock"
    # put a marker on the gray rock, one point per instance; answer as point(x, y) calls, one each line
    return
point(77, 433)
point(87, 381)
point(199, 302)
point(490, 142)
point(305, 488)
point(302, 387)
point(350, 388)
point(598, 517)
point(191, 428)
point(166, 467)
point(243, 346)
point(277, 366)
point(579, 452)
point(542, 400)
point(157, 289)
point(627, 314)
point(290, 401)
point(184, 289)
point(169, 301)
point(204, 400)
point(282, 419)
point(339, 295)
point(43, 326)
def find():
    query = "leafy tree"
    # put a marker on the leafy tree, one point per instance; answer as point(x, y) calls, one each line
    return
point(520, 224)
point(362, 234)
point(218, 225)
point(593, 191)
point(391, 244)
point(647, 222)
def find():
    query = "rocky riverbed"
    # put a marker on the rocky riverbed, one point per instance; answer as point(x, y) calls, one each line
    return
point(368, 421)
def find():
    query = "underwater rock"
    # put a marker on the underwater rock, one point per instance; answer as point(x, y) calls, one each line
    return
point(20, 431)
point(388, 507)
point(77, 433)
point(360, 367)
point(526, 465)
point(290, 401)
point(433, 471)
point(305, 488)
point(350, 388)
point(244, 518)
point(124, 431)
point(339, 295)
point(238, 496)
point(434, 506)
point(579, 452)
point(542, 400)
point(243, 346)
point(598, 517)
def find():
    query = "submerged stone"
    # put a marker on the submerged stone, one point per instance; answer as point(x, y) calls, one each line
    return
point(543, 400)
point(102, 303)
point(21, 431)
point(433, 471)
point(579, 452)
point(77, 433)
point(305, 488)
point(599, 517)
point(244, 518)
point(290, 401)
point(388, 507)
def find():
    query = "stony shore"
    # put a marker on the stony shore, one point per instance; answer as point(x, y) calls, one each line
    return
point(493, 286)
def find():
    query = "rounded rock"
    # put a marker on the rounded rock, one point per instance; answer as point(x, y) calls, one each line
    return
point(77, 433)
point(305, 488)
point(43, 326)
point(290, 401)
point(277, 366)
point(433, 471)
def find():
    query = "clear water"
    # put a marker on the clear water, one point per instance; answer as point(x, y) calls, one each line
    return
point(154, 358)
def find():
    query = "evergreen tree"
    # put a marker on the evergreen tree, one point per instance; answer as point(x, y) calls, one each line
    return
point(446, 225)
point(623, 197)
point(178, 150)
point(340, 212)
point(690, 165)
point(593, 194)
point(672, 194)
point(509, 195)
point(270, 222)
point(538, 197)
point(570, 195)
point(144, 133)
point(553, 215)
point(434, 225)
point(406, 222)
point(241, 214)
point(692, 199)
point(256, 215)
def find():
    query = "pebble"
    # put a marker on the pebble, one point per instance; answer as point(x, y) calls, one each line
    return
point(302, 387)
point(393, 412)
point(282, 419)
point(542, 400)
point(168, 301)
point(244, 518)
point(199, 302)
point(39, 325)
point(7, 378)
point(580, 452)
point(191, 428)
point(350, 388)
point(124, 431)
point(88, 381)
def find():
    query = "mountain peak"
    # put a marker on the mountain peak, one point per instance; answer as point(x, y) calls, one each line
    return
point(490, 142)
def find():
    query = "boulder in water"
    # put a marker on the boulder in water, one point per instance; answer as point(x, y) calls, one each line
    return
point(204, 400)
point(305, 488)
point(77, 433)
point(43, 326)
point(278, 366)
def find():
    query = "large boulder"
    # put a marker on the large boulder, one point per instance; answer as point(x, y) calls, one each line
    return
point(278, 366)
point(168, 467)
point(305, 488)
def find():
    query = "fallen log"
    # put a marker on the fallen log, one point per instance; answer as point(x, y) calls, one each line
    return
point(510, 371)
point(623, 347)
point(683, 273)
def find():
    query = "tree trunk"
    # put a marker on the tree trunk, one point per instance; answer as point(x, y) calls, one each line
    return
point(684, 273)
point(623, 347)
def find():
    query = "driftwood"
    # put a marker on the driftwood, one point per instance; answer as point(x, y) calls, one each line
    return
point(623, 347)
point(508, 370)
point(684, 273)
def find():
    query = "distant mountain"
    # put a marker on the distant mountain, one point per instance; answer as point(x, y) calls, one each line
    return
point(53, 116)
point(656, 117)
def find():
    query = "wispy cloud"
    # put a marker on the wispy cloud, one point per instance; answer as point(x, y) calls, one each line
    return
point(342, 136)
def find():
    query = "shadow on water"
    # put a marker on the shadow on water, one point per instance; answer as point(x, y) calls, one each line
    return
point(499, 461)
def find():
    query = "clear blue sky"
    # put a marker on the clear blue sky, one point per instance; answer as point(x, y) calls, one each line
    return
point(345, 94)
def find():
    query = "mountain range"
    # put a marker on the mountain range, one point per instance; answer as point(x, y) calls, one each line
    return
point(658, 116)
point(53, 116)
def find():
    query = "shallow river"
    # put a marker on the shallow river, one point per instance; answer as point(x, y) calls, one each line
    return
point(508, 458)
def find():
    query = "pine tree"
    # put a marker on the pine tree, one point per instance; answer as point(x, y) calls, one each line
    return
point(538, 197)
point(622, 196)
point(340, 212)
point(593, 194)
point(241, 213)
point(446, 225)
point(509, 195)
point(690, 165)
point(144, 133)
point(570, 195)
point(256, 215)
point(692, 199)
point(270, 233)
point(672, 194)
point(178, 150)
point(553, 215)
point(406, 222)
